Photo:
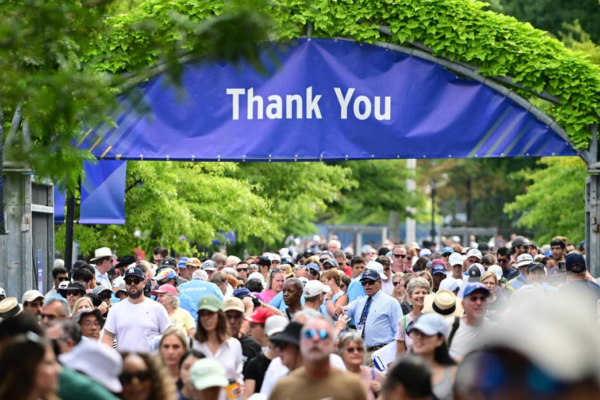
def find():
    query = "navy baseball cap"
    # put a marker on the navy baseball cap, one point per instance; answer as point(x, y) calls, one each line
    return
point(371, 274)
point(438, 269)
point(575, 262)
point(264, 261)
point(447, 250)
point(134, 271)
point(474, 286)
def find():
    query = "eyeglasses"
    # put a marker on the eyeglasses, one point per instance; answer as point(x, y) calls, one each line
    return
point(310, 334)
point(502, 260)
point(399, 255)
point(49, 317)
point(386, 269)
point(354, 349)
point(130, 282)
point(395, 283)
point(409, 258)
point(367, 282)
point(62, 278)
point(127, 377)
point(238, 315)
point(242, 270)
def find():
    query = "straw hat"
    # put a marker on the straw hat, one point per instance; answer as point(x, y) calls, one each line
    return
point(9, 307)
point(445, 303)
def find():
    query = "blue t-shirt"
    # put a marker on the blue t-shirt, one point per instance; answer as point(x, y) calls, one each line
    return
point(278, 302)
point(196, 289)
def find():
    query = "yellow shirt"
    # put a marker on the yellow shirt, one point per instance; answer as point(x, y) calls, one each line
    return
point(182, 319)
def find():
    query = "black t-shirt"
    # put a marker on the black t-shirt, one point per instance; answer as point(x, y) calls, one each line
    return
point(256, 369)
point(250, 348)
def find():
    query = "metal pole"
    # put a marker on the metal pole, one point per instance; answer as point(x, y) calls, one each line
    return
point(432, 232)
point(69, 231)
point(411, 228)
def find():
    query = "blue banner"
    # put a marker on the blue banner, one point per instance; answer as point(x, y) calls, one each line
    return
point(59, 205)
point(324, 100)
point(103, 193)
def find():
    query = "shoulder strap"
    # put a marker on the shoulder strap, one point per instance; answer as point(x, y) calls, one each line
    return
point(455, 325)
point(404, 318)
point(289, 315)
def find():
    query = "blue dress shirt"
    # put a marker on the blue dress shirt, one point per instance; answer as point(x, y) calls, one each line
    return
point(382, 321)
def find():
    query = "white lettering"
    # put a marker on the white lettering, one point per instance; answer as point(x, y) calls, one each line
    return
point(312, 104)
point(289, 100)
point(387, 114)
point(367, 103)
point(344, 100)
point(275, 107)
point(236, 93)
point(259, 103)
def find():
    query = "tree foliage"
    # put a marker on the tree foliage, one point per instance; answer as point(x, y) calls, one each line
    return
point(554, 203)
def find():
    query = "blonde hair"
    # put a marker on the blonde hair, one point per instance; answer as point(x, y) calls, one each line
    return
point(175, 332)
point(81, 300)
point(486, 275)
point(333, 274)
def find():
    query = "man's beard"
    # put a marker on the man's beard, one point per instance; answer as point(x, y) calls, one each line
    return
point(135, 295)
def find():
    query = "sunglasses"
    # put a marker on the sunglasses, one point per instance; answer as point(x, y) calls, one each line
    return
point(327, 267)
point(130, 282)
point(399, 255)
point(310, 334)
point(409, 258)
point(62, 278)
point(502, 260)
point(367, 283)
point(395, 283)
point(242, 269)
point(75, 293)
point(300, 267)
point(127, 377)
point(354, 350)
point(386, 269)
point(314, 272)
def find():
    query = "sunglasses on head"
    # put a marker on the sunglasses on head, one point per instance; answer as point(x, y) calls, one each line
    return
point(134, 281)
point(277, 270)
point(310, 334)
point(127, 377)
point(399, 255)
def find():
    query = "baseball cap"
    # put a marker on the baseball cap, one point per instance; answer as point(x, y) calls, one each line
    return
point(535, 265)
point(121, 288)
point(520, 241)
point(96, 360)
point(443, 302)
point(32, 295)
point(208, 372)
point(497, 270)
point(125, 261)
point(63, 285)
point(257, 276)
point(75, 286)
point(275, 257)
point(209, 265)
point(165, 289)
point(437, 269)
point(193, 262)
point(100, 289)
point(211, 303)
point(313, 288)
point(3, 293)
point(233, 304)
point(474, 286)
point(375, 266)
point(455, 259)
point(200, 274)
point(181, 263)
point(475, 271)
point(169, 262)
point(524, 260)
point(275, 324)
point(264, 261)
point(474, 253)
point(134, 271)
point(260, 316)
point(331, 261)
point(290, 334)
point(425, 253)
point(326, 253)
point(166, 273)
point(449, 284)
point(429, 324)
point(287, 261)
point(304, 280)
point(575, 263)
point(308, 252)
point(447, 250)
point(313, 266)
point(369, 274)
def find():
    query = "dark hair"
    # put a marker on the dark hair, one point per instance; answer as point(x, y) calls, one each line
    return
point(161, 250)
point(346, 279)
point(421, 264)
point(503, 251)
point(413, 373)
point(558, 242)
point(382, 252)
point(441, 355)
point(383, 260)
point(59, 270)
point(18, 365)
point(83, 274)
point(70, 329)
point(254, 286)
point(78, 264)
point(191, 352)
point(357, 260)
point(96, 300)
point(488, 259)
point(545, 260)
point(222, 330)
point(19, 324)
point(162, 385)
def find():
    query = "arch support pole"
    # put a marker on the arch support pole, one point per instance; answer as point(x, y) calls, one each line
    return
point(592, 208)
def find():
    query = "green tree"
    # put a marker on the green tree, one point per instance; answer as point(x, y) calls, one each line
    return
point(554, 203)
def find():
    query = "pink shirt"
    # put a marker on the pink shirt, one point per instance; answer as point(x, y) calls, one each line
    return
point(268, 295)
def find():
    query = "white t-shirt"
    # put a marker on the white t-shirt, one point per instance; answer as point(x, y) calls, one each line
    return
point(467, 338)
point(137, 325)
point(277, 370)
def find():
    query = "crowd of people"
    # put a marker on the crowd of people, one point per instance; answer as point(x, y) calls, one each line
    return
point(397, 322)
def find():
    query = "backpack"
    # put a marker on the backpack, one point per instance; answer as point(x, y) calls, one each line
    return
point(455, 326)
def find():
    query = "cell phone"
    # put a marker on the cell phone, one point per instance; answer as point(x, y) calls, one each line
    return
point(561, 265)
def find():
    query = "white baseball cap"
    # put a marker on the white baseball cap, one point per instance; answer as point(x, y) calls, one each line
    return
point(31, 295)
point(455, 259)
point(497, 270)
point(474, 253)
point(425, 253)
point(524, 260)
point(200, 274)
point(375, 266)
point(449, 283)
point(275, 324)
point(313, 288)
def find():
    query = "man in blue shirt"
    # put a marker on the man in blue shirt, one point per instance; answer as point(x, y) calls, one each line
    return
point(376, 314)
point(578, 286)
point(523, 262)
point(168, 276)
point(197, 288)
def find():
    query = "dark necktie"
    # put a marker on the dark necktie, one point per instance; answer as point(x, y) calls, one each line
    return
point(363, 316)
